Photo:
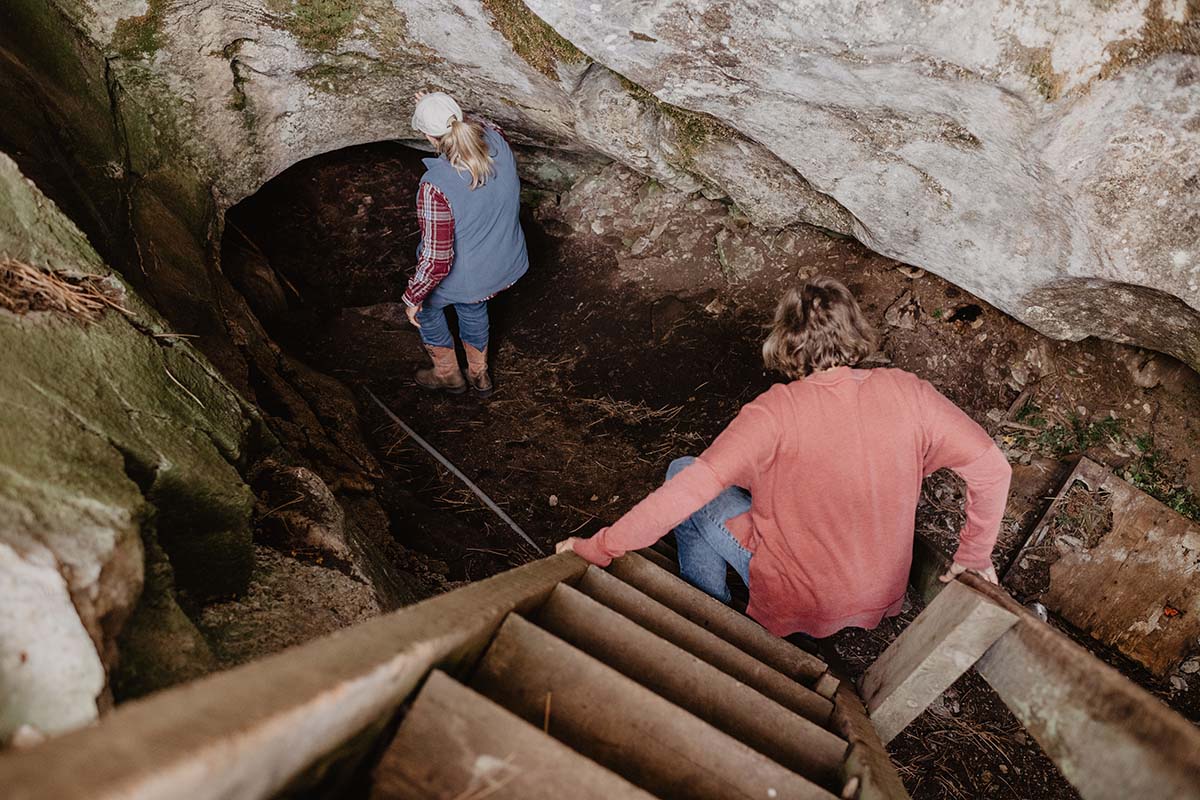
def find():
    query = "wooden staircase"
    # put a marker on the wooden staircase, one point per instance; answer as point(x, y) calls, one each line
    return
point(630, 683)
point(561, 680)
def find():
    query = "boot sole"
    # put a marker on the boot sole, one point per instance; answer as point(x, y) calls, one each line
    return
point(454, 390)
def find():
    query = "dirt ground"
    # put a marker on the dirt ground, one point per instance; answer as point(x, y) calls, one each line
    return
point(633, 339)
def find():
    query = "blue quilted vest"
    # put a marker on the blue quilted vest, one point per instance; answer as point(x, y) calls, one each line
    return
point(489, 245)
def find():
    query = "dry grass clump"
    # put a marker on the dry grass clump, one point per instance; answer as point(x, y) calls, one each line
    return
point(629, 413)
point(25, 288)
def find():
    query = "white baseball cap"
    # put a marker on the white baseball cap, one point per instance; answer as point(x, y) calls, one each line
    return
point(434, 112)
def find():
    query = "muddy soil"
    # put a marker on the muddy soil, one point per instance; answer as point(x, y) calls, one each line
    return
point(633, 340)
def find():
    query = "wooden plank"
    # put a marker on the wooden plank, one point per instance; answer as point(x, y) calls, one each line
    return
point(868, 761)
point(455, 743)
point(665, 623)
point(694, 685)
point(712, 614)
point(248, 731)
point(1130, 585)
point(624, 726)
point(942, 643)
point(1109, 737)
point(659, 560)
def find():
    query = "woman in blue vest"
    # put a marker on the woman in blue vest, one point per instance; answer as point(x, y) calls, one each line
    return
point(472, 246)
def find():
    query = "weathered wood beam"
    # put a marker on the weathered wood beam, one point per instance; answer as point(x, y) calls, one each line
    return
point(930, 655)
point(247, 732)
point(1109, 737)
point(868, 772)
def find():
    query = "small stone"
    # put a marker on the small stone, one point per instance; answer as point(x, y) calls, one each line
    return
point(26, 736)
point(1190, 666)
point(595, 497)
point(553, 500)
point(1179, 684)
point(639, 246)
point(1003, 769)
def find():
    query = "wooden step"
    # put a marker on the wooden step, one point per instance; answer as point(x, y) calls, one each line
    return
point(659, 560)
point(665, 623)
point(695, 685)
point(868, 760)
point(740, 631)
point(455, 744)
point(624, 726)
point(666, 548)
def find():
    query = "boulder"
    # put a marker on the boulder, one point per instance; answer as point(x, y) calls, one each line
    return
point(116, 434)
point(1042, 158)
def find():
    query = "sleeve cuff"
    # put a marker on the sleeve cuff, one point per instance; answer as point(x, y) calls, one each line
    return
point(592, 550)
point(971, 561)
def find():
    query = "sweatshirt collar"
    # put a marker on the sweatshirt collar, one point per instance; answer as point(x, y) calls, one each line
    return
point(836, 375)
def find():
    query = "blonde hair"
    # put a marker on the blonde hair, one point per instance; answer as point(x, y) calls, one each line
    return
point(816, 327)
point(466, 149)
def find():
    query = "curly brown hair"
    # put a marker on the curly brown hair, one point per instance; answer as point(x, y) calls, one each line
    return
point(818, 326)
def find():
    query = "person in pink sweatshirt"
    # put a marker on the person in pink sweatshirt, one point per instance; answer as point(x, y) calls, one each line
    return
point(811, 492)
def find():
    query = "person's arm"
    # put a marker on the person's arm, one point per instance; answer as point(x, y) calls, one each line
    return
point(654, 517)
point(954, 440)
point(437, 244)
point(987, 478)
point(746, 447)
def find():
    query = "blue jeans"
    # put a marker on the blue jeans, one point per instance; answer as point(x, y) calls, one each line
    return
point(705, 544)
point(472, 324)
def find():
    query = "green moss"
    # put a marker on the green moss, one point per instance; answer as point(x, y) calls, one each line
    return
point(1048, 83)
point(318, 24)
point(532, 39)
point(692, 128)
point(1159, 35)
point(137, 37)
point(1157, 476)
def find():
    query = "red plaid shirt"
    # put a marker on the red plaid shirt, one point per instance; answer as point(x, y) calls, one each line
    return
point(437, 234)
point(437, 237)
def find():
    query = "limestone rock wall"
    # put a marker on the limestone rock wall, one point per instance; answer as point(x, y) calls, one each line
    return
point(124, 446)
point(119, 437)
point(1019, 150)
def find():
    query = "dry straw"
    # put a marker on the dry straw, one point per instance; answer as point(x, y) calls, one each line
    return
point(25, 288)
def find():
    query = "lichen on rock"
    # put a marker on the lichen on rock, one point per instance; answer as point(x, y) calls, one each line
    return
point(108, 429)
point(532, 39)
point(318, 24)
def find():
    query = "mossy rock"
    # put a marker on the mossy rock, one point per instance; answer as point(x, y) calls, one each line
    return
point(318, 24)
point(532, 39)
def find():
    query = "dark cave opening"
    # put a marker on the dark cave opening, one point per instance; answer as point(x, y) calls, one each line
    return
point(322, 254)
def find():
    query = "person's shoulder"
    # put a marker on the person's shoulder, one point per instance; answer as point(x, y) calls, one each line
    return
point(490, 127)
point(900, 378)
point(778, 397)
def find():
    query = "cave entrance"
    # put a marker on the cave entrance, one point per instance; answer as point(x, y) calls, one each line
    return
point(592, 376)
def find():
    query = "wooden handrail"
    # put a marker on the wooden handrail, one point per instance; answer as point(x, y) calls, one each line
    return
point(249, 731)
point(1109, 737)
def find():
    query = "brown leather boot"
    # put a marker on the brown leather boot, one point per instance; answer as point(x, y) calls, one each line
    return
point(445, 375)
point(477, 371)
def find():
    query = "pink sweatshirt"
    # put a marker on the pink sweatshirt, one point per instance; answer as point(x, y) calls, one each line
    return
point(834, 465)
